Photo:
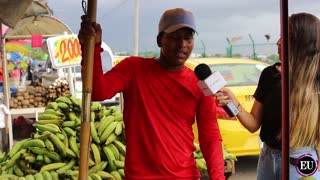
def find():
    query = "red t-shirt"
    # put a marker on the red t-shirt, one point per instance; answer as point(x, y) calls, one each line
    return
point(159, 110)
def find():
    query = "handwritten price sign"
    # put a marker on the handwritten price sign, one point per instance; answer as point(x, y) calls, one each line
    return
point(64, 51)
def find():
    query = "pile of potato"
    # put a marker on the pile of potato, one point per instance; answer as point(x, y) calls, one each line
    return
point(39, 96)
point(30, 97)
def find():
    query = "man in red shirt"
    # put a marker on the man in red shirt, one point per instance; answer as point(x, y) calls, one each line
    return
point(161, 101)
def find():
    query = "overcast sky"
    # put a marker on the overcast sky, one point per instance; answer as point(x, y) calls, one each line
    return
point(216, 20)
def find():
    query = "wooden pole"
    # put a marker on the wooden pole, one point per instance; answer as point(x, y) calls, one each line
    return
point(6, 94)
point(88, 56)
point(285, 87)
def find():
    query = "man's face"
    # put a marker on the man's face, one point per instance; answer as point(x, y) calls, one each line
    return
point(176, 47)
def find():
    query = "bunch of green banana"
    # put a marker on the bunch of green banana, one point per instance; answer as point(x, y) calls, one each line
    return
point(54, 148)
point(51, 114)
point(108, 129)
point(227, 155)
point(45, 175)
point(3, 156)
point(201, 161)
point(307, 178)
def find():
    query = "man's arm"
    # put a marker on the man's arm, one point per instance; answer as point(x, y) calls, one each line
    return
point(210, 138)
point(213, 154)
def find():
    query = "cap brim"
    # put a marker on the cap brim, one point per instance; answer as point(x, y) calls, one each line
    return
point(177, 27)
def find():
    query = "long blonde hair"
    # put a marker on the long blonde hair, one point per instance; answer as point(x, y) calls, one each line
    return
point(304, 57)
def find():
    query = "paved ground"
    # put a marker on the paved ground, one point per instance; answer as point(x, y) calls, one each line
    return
point(245, 168)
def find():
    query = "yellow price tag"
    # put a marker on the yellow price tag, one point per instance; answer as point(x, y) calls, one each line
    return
point(64, 51)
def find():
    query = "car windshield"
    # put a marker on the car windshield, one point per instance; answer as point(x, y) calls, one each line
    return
point(239, 74)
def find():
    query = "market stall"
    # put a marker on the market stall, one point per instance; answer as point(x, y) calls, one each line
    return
point(34, 30)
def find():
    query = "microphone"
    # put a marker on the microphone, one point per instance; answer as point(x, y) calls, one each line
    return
point(210, 83)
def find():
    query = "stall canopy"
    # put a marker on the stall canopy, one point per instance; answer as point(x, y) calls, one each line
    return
point(38, 7)
point(38, 24)
point(25, 20)
point(11, 11)
point(36, 17)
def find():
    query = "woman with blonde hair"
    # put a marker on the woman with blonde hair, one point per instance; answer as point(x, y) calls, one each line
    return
point(304, 88)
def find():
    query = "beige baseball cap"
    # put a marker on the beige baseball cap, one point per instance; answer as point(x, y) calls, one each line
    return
point(174, 19)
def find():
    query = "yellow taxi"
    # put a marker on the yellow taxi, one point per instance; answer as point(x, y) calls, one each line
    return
point(242, 76)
